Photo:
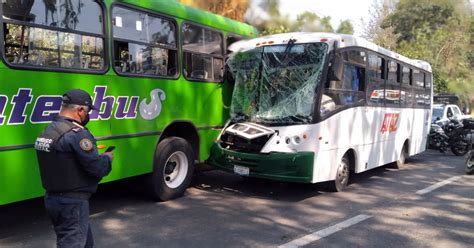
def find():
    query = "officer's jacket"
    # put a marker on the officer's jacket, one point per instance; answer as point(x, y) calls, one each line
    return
point(68, 158)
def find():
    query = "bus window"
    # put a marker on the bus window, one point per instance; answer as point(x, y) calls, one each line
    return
point(78, 15)
point(406, 75)
point(41, 46)
point(203, 53)
point(427, 91)
point(392, 71)
point(375, 83)
point(419, 92)
point(144, 44)
point(350, 90)
point(376, 67)
point(392, 85)
point(406, 93)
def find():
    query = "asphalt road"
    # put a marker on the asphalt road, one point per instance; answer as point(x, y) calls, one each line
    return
point(382, 208)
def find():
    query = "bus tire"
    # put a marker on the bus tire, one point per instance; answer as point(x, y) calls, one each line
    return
point(402, 158)
point(173, 168)
point(342, 175)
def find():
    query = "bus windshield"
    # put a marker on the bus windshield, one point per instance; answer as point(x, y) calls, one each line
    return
point(275, 85)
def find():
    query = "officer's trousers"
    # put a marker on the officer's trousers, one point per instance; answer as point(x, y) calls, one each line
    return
point(70, 217)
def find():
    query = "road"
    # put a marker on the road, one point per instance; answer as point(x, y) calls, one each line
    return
point(427, 203)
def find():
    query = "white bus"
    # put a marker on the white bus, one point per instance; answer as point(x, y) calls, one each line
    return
point(316, 107)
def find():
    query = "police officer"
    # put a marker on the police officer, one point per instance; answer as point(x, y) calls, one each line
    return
point(71, 168)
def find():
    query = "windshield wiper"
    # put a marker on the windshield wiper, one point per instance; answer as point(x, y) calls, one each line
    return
point(239, 116)
point(300, 118)
point(289, 45)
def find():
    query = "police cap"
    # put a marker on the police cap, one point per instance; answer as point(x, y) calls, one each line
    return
point(78, 97)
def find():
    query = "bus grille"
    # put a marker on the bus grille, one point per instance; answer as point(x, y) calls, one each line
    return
point(239, 144)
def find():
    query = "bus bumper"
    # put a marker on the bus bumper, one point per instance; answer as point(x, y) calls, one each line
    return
point(289, 167)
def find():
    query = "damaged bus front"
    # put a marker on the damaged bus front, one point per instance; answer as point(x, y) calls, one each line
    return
point(273, 107)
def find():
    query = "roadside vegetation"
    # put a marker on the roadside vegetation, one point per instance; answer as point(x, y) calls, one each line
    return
point(438, 31)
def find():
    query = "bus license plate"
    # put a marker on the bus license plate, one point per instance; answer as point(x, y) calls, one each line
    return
point(241, 170)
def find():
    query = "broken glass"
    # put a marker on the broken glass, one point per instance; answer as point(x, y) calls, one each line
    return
point(276, 84)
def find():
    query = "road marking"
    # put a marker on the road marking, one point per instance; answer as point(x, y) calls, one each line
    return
point(325, 232)
point(438, 185)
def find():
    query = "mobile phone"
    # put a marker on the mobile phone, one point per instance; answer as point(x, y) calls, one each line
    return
point(110, 148)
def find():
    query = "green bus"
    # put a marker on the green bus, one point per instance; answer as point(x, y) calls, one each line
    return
point(154, 69)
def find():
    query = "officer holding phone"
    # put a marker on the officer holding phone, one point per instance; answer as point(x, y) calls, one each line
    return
point(71, 168)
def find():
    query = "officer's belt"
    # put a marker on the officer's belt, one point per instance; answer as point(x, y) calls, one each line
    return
point(78, 195)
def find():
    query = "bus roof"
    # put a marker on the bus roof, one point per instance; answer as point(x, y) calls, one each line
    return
point(343, 40)
point(176, 9)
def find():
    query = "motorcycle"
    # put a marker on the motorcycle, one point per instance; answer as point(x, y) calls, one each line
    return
point(453, 135)
point(470, 163)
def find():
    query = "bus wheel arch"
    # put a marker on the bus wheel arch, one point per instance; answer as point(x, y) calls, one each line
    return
point(345, 167)
point(173, 162)
point(185, 130)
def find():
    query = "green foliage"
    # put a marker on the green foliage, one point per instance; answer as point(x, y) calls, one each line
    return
point(311, 22)
point(384, 37)
point(420, 15)
point(345, 28)
point(441, 84)
point(305, 22)
point(440, 32)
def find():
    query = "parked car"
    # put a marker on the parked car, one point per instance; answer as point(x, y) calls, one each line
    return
point(462, 101)
point(442, 113)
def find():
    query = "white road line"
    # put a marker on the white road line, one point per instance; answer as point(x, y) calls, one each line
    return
point(325, 232)
point(438, 185)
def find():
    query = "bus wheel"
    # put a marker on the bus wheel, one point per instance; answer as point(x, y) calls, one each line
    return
point(402, 158)
point(342, 175)
point(173, 168)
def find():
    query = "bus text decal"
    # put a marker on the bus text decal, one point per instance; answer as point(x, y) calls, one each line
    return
point(46, 107)
point(390, 122)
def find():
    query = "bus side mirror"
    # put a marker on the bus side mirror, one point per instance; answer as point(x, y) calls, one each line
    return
point(335, 72)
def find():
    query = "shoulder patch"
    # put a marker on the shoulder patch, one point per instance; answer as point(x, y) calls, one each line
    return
point(76, 129)
point(86, 144)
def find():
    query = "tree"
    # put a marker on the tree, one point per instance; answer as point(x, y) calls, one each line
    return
point(345, 27)
point(437, 31)
point(442, 38)
point(234, 9)
point(413, 16)
point(311, 22)
point(373, 31)
point(271, 21)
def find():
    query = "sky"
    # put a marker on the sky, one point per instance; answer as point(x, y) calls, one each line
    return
point(338, 10)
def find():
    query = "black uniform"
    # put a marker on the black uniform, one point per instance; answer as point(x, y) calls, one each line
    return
point(71, 169)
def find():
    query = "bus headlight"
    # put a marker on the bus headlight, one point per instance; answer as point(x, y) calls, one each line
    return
point(297, 139)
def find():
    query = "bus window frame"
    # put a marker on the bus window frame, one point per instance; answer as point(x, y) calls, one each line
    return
point(104, 36)
point(155, 14)
point(181, 41)
point(324, 86)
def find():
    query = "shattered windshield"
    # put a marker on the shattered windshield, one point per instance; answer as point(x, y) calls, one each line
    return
point(276, 84)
